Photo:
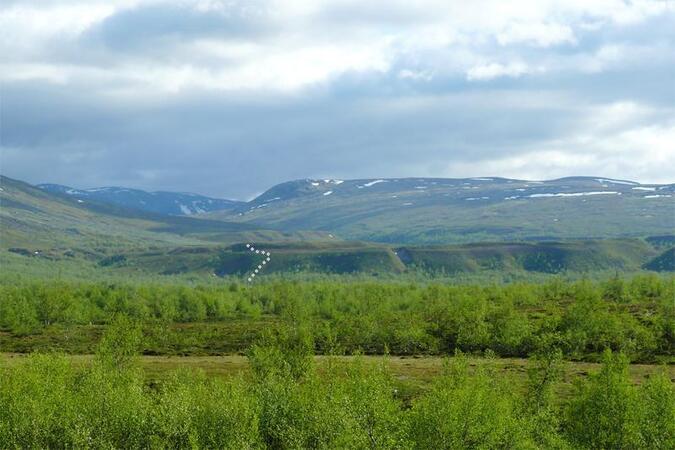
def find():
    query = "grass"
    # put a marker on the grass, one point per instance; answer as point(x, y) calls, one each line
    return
point(412, 375)
point(198, 338)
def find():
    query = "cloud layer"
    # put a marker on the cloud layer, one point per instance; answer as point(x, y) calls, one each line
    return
point(229, 97)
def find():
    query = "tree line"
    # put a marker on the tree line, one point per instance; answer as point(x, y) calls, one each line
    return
point(582, 318)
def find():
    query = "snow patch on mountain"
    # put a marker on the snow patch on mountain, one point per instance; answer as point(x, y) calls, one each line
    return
point(607, 180)
point(574, 194)
point(373, 183)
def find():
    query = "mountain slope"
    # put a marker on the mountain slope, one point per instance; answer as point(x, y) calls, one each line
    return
point(438, 211)
point(665, 262)
point(38, 229)
point(32, 219)
point(589, 256)
point(170, 203)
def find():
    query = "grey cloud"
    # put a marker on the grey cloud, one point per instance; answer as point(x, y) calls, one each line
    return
point(217, 145)
point(358, 123)
point(145, 26)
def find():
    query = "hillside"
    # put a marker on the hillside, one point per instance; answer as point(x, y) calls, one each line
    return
point(171, 203)
point(57, 226)
point(572, 257)
point(665, 262)
point(542, 257)
point(43, 229)
point(440, 211)
point(35, 219)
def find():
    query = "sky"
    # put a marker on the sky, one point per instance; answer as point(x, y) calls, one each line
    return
point(227, 98)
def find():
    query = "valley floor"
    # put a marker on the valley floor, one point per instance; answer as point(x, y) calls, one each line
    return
point(411, 374)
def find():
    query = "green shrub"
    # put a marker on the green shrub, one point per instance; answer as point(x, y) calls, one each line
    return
point(603, 412)
point(463, 411)
point(656, 413)
point(634, 316)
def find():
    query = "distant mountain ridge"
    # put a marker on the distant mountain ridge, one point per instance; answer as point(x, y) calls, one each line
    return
point(446, 210)
point(40, 227)
point(169, 203)
point(299, 188)
point(428, 210)
point(38, 220)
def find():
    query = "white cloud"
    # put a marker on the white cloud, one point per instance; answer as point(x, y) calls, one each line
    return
point(419, 39)
point(618, 116)
point(415, 75)
point(538, 34)
point(610, 141)
point(35, 24)
point(496, 70)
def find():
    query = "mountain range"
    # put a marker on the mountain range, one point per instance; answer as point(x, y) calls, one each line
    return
point(441, 211)
point(427, 210)
point(460, 226)
point(172, 203)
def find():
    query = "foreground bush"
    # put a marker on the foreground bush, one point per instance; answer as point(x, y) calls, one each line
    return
point(608, 412)
point(463, 411)
point(48, 402)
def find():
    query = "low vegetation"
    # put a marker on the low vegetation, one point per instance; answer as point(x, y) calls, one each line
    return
point(285, 399)
point(582, 318)
point(47, 402)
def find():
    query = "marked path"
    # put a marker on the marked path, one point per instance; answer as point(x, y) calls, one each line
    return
point(265, 254)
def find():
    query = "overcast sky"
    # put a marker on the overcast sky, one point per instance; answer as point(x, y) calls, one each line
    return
point(229, 97)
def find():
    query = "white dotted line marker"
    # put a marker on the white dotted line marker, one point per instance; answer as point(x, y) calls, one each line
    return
point(267, 259)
